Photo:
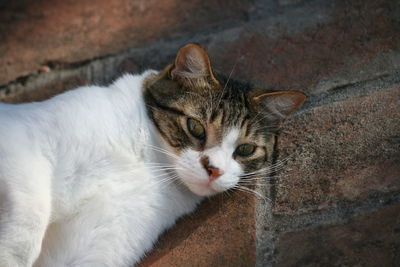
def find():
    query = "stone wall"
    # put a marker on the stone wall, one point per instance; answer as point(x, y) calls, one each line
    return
point(334, 200)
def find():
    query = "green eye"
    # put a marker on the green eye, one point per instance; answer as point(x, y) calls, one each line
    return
point(196, 129)
point(245, 150)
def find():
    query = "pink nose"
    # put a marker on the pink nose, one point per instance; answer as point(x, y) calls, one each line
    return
point(214, 173)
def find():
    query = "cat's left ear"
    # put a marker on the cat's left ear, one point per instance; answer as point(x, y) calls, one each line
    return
point(279, 104)
point(192, 66)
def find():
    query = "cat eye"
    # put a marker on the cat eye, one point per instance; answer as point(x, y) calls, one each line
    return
point(245, 150)
point(196, 129)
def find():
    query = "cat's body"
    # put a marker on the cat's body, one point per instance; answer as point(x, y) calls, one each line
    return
point(93, 176)
point(78, 158)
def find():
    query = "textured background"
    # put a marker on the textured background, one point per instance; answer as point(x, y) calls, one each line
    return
point(336, 201)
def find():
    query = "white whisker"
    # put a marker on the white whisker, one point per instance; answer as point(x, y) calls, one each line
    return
point(248, 190)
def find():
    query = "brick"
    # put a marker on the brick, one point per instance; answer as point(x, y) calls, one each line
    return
point(33, 33)
point(371, 239)
point(220, 233)
point(305, 46)
point(345, 151)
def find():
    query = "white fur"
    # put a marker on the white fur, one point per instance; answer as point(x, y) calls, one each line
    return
point(76, 174)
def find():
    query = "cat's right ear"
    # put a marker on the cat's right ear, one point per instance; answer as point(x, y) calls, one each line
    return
point(279, 104)
point(192, 67)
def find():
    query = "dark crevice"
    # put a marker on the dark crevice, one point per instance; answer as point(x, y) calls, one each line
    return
point(62, 65)
point(20, 80)
point(352, 90)
point(341, 213)
point(52, 65)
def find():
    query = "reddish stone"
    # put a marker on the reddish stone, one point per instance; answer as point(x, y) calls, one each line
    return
point(33, 33)
point(347, 150)
point(371, 239)
point(297, 57)
point(220, 233)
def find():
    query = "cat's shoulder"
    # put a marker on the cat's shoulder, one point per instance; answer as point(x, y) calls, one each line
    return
point(132, 82)
point(126, 86)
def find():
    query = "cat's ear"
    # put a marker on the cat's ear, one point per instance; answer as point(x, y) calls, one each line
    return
point(279, 104)
point(192, 65)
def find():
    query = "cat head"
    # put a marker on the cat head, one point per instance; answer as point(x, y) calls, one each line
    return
point(217, 129)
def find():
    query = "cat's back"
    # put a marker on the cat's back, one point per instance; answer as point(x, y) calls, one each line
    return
point(83, 121)
point(29, 120)
point(51, 128)
point(74, 110)
point(98, 103)
point(15, 127)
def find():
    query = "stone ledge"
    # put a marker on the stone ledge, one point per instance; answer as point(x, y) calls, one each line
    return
point(370, 239)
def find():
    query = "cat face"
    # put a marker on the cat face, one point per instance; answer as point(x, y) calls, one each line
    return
point(218, 129)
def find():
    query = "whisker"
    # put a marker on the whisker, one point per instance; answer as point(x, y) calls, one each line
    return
point(166, 168)
point(248, 190)
point(274, 167)
point(227, 81)
point(164, 181)
point(255, 177)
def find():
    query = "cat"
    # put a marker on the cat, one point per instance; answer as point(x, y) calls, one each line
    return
point(93, 176)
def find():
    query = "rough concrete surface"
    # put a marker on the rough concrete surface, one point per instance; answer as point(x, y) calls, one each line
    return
point(335, 193)
point(345, 151)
